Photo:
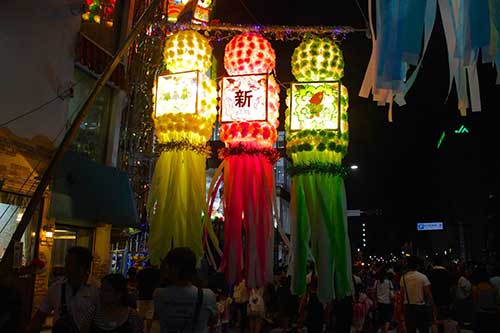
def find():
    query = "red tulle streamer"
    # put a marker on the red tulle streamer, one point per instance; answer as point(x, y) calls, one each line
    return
point(248, 226)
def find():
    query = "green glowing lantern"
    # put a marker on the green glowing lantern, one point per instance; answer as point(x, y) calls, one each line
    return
point(317, 127)
point(317, 140)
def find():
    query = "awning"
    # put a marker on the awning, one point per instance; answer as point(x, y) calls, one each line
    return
point(90, 193)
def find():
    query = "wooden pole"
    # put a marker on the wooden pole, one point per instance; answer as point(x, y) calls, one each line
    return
point(7, 259)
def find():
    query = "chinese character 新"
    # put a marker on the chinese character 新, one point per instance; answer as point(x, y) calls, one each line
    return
point(242, 98)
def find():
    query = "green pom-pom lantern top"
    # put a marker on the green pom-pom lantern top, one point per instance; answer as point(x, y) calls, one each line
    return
point(318, 59)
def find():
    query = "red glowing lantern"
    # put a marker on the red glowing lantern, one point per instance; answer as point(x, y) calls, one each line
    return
point(250, 95)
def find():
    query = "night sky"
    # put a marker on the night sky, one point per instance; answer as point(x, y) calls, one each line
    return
point(400, 170)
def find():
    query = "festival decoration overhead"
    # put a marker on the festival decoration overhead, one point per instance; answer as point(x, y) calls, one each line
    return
point(317, 140)
point(100, 11)
point(248, 117)
point(174, 8)
point(184, 113)
point(203, 11)
point(200, 11)
point(401, 44)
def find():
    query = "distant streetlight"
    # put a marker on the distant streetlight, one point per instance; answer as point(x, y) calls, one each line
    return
point(354, 167)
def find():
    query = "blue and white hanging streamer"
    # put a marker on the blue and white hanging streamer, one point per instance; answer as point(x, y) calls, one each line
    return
point(403, 31)
point(397, 45)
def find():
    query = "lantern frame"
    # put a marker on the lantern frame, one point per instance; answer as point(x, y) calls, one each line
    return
point(293, 89)
point(166, 74)
point(223, 117)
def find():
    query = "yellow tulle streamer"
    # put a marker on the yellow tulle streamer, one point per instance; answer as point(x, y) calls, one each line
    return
point(175, 205)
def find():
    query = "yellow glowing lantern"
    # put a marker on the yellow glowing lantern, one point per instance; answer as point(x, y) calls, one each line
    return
point(185, 110)
point(317, 126)
point(250, 95)
point(185, 98)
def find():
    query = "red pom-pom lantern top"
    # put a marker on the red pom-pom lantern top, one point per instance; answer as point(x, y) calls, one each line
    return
point(249, 53)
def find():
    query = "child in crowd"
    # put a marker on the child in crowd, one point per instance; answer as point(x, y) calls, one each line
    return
point(362, 305)
point(224, 311)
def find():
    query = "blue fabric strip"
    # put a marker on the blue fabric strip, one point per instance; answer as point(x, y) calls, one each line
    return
point(479, 16)
point(412, 15)
point(389, 71)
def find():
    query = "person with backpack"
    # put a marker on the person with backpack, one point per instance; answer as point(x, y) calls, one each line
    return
point(182, 307)
point(416, 300)
point(72, 300)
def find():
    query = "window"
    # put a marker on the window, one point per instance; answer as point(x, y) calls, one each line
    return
point(66, 237)
point(280, 173)
point(10, 216)
point(93, 134)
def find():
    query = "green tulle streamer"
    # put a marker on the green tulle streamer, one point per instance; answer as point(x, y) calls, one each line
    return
point(319, 230)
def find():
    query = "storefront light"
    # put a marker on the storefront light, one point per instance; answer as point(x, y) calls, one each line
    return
point(19, 215)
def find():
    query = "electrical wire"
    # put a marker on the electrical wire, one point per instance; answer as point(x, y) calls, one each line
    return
point(61, 131)
point(363, 14)
point(61, 95)
point(249, 12)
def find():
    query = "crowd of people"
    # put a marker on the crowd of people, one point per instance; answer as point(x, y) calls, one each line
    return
point(403, 296)
point(431, 295)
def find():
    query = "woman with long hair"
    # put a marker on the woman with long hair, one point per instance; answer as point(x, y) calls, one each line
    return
point(113, 313)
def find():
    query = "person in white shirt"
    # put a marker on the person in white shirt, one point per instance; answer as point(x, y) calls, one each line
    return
point(80, 298)
point(417, 302)
point(183, 307)
point(385, 294)
point(463, 306)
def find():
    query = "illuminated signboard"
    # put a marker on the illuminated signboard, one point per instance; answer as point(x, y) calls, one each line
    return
point(177, 93)
point(315, 105)
point(430, 226)
point(244, 98)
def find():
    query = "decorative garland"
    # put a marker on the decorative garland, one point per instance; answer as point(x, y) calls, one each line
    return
point(221, 31)
point(333, 169)
point(271, 154)
point(203, 149)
